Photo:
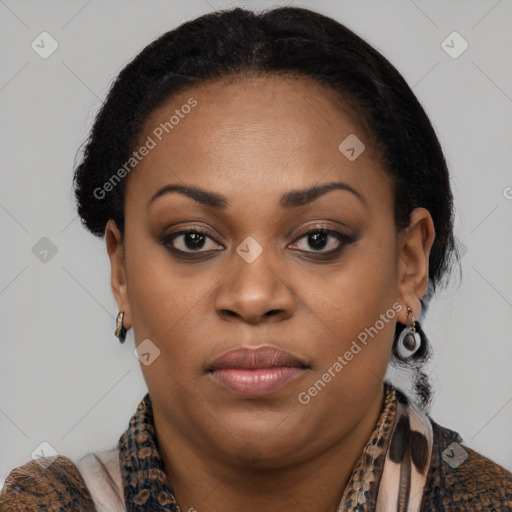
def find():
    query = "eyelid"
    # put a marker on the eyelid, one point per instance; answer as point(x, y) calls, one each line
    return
point(342, 238)
point(320, 226)
point(204, 231)
point(195, 228)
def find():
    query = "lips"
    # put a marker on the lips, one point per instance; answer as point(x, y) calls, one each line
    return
point(253, 373)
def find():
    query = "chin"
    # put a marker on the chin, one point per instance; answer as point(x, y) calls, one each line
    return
point(265, 442)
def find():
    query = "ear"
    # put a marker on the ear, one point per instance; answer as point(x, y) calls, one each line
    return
point(115, 249)
point(415, 243)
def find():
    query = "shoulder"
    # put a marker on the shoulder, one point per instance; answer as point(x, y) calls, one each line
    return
point(35, 486)
point(461, 479)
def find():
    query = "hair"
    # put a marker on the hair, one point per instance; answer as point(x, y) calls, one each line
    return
point(287, 41)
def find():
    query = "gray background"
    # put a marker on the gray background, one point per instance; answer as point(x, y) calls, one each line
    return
point(65, 379)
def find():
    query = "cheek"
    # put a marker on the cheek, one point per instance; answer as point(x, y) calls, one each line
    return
point(352, 307)
point(359, 287)
point(355, 324)
point(168, 302)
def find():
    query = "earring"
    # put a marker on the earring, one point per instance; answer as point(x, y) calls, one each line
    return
point(409, 340)
point(120, 331)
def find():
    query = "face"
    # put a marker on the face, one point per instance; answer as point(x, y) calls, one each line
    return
point(315, 281)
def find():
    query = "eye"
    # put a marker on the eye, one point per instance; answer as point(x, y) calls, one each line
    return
point(322, 238)
point(322, 241)
point(190, 241)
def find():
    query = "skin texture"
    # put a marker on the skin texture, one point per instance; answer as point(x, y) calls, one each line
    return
point(253, 139)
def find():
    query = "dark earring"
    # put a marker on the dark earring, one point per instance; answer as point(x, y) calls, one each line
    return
point(409, 340)
point(120, 331)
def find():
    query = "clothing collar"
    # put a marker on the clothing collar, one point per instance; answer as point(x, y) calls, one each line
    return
point(389, 475)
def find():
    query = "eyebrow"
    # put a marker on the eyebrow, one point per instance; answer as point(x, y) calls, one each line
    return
point(291, 199)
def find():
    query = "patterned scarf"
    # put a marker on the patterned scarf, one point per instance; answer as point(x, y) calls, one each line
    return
point(390, 474)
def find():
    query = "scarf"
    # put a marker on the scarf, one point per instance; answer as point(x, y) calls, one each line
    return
point(390, 474)
point(388, 477)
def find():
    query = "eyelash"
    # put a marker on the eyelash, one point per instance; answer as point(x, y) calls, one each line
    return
point(341, 237)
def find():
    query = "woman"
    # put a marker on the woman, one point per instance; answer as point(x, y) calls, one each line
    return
point(277, 212)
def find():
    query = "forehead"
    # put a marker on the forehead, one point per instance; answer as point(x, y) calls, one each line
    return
point(258, 133)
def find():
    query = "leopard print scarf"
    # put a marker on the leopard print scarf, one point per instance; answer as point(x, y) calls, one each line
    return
point(390, 474)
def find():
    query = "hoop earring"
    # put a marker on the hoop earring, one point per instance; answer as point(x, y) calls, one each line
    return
point(120, 331)
point(409, 341)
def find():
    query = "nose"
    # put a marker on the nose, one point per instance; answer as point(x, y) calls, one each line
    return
point(255, 292)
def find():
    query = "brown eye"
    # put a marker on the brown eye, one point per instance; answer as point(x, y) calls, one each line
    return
point(322, 241)
point(190, 241)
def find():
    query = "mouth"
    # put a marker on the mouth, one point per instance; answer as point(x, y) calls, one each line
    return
point(253, 373)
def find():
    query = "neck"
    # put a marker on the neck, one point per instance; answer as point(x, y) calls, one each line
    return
point(201, 482)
